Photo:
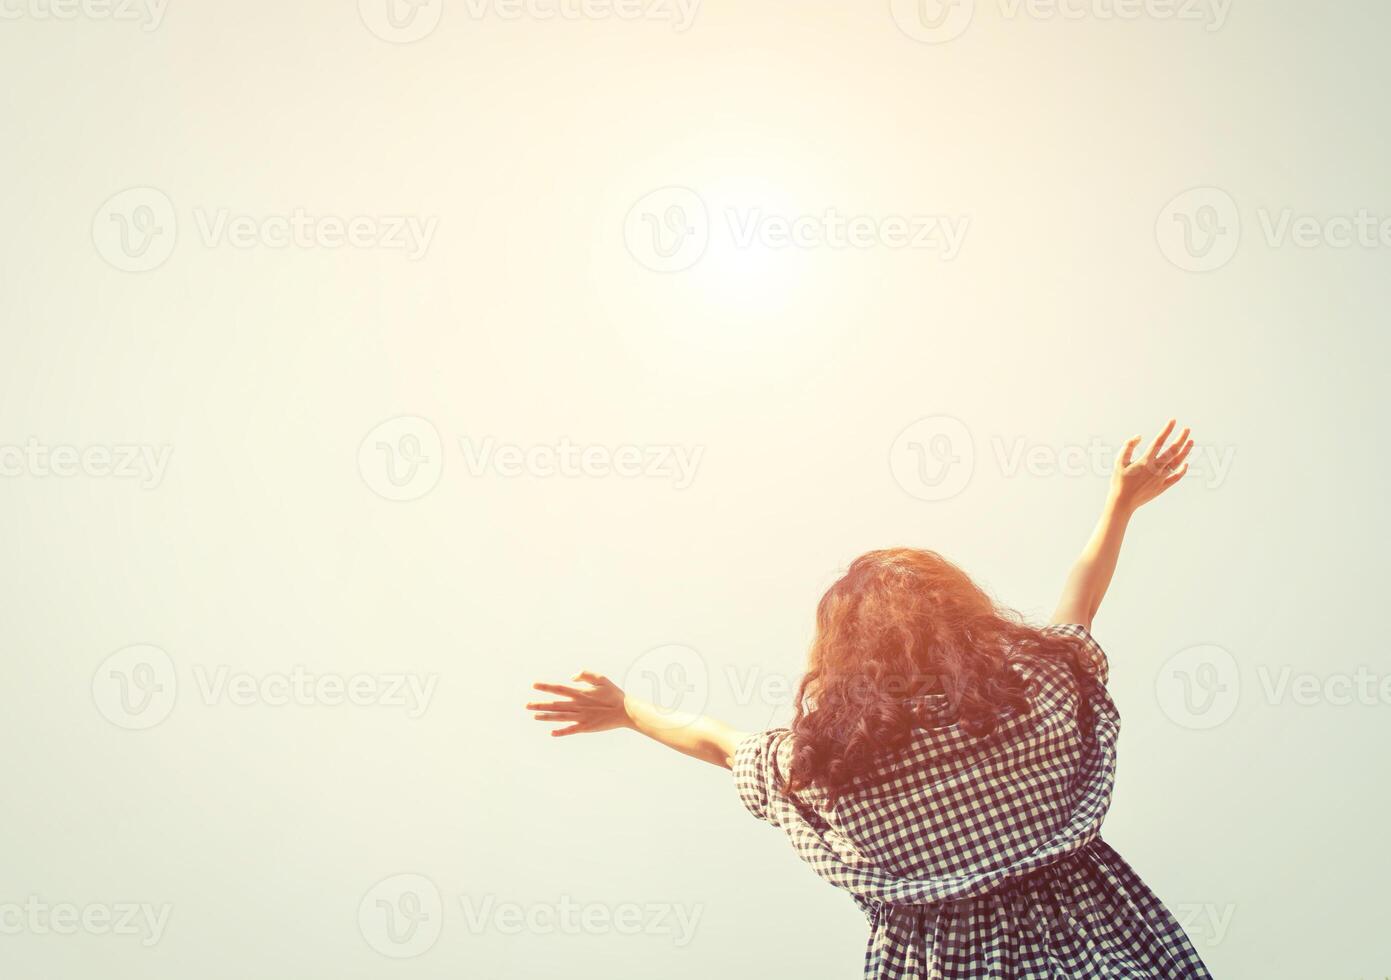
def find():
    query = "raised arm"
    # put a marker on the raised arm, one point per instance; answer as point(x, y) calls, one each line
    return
point(1134, 482)
point(600, 705)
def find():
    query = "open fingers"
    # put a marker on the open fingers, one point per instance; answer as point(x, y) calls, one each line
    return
point(1128, 453)
point(1176, 446)
point(561, 689)
point(552, 706)
point(1177, 454)
point(1159, 440)
point(1174, 477)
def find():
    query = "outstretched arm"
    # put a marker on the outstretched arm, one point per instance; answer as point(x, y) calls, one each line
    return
point(1133, 483)
point(600, 705)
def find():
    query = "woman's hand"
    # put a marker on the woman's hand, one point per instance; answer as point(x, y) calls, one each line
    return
point(1138, 481)
point(599, 706)
point(1133, 482)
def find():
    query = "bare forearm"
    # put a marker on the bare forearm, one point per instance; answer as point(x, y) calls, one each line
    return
point(695, 735)
point(1092, 572)
point(1133, 483)
point(600, 705)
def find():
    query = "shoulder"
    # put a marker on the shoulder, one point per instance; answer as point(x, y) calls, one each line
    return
point(761, 764)
point(764, 754)
point(1088, 642)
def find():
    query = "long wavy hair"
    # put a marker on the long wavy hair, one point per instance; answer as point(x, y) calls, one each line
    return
point(904, 623)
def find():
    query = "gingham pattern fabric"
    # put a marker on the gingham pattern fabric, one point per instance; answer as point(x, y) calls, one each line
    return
point(980, 857)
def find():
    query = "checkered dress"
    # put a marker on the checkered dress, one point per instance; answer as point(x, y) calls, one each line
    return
point(981, 857)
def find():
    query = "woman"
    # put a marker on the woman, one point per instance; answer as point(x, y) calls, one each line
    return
point(950, 766)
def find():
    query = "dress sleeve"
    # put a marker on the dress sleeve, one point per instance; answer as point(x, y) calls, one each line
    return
point(761, 762)
point(1103, 672)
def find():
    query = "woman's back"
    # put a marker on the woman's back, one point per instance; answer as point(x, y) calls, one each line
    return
point(977, 805)
point(963, 847)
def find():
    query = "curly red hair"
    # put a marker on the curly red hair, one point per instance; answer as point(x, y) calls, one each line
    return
point(902, 623)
